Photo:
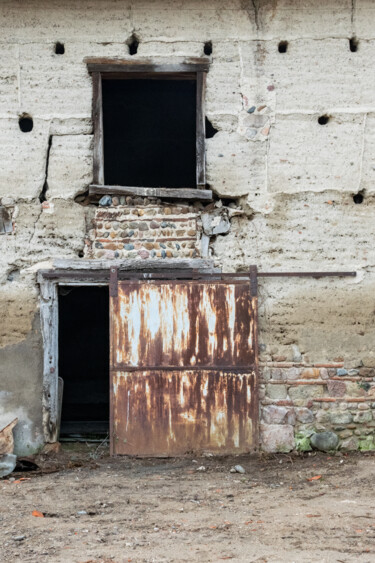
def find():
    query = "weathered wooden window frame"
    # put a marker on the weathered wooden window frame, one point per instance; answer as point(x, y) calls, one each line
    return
point(105, 69)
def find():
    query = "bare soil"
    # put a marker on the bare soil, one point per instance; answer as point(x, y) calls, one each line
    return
point(101, 509)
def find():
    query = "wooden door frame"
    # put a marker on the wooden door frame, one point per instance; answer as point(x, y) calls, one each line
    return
point(81, 273)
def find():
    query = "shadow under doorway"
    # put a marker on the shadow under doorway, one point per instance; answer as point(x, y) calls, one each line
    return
point(84, 362)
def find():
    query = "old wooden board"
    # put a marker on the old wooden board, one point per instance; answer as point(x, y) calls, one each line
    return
point(183, 367)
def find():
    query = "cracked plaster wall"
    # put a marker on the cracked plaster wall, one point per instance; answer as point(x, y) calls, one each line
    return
point(293, 178)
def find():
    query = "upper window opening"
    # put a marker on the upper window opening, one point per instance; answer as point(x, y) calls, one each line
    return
point(149, 131)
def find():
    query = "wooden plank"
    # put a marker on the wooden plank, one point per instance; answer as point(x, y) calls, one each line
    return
point(2, 221)
point(145, 60)
point(178, 193)
point(129, 66)
point(131, 264)
point(200, 130)
point(149, 75)
point(97, 118)
point(49, 329)
point(6, 224)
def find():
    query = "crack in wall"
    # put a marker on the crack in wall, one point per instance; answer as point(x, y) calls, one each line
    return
point(352, 15)
point(255, 4)
point(43, 193)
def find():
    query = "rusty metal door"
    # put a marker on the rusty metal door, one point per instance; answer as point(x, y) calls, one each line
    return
point(183, 367)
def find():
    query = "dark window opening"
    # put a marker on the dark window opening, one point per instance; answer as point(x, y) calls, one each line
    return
point(149, 132)
point(323, 119)
point(26, 123)
point(353, 44)
point(210, 129)
point(59, 48)
point(84, 361)
point(208, 48)
point(283, 46)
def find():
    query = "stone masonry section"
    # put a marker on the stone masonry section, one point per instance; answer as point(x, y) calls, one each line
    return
point(321, 406)
point(140, 228)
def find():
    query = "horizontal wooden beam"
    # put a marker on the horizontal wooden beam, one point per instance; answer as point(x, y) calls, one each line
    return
point(131, 265)
point(175, 193)
point(125, 65)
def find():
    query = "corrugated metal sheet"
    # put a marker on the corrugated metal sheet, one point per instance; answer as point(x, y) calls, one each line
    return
point(183, 364)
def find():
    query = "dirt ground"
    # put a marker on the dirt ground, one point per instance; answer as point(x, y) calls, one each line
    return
point(97, 509)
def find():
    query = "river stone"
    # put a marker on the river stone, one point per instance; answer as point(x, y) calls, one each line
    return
point(7, 464)
point(324, 441)
point(277, 437)
point(105, 201)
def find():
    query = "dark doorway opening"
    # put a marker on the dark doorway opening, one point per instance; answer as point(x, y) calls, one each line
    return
point(84, 361)
point(150, 132)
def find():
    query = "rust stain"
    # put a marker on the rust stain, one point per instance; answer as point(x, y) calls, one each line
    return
point(183, 324)
point(176, 412)
point(183, 364)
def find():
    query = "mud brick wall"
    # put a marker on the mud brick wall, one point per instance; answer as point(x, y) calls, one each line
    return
point(139, 228)
point(306, 187)
point(325, 406)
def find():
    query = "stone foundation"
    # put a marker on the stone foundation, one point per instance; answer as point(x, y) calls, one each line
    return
point(299, 402)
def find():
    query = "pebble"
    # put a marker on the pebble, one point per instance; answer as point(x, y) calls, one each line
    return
point(237, 469)
point(143, 253)
point(105, 201)
point(18, 538)
point(130, 233)
point(81, 512)
point(163, 254)
point(7, 465)
point(342, 371)
point(201, 468)
point(129, 246)
point(251, 110)
point(7, 201)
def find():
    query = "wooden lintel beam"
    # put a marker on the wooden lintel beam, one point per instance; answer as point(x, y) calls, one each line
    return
point(103, 66)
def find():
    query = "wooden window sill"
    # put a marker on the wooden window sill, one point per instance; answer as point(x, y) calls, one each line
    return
point(173, 193)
